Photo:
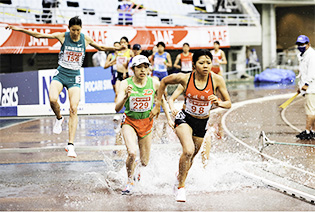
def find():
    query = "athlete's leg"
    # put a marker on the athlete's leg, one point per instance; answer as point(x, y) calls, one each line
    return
point(206, 149)
point(117, 84)
point(54, 91)
point(184, 133)
point(74, 97)
point(131, 138)
point(198, 143)
point(114, 88)
point(145, 148)
point(310, 119)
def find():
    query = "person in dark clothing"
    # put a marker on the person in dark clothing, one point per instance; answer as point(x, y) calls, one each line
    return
point(47, 6)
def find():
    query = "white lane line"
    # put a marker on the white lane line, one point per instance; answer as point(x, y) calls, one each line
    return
point(241, 104)
point(284, 188)
point(286, 120)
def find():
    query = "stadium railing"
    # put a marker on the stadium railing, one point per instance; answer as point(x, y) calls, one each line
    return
point(15, 14)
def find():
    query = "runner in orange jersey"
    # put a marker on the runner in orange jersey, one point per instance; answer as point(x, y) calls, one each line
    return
point(200, 89)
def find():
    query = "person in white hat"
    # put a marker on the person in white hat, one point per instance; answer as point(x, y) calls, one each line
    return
point(307, 85)
point(137, 95)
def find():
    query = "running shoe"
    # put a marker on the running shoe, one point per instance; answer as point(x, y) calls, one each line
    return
point(128, 189)
point(57, 127)
point(305, 136)
point(71, 152)
point(181, 195)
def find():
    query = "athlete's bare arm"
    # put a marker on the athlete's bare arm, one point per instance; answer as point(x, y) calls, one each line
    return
point(171, 123)
point(90, 41)
point(57, 35)
point(223, 61)
point(179, 90)
point(177, 61)
point(152, 60)
point(109, 62)
point(123, 93)
point(219, 85)
point(171, 79)
point(169, 60)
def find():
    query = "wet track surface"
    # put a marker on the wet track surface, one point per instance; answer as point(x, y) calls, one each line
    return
point(45, 179)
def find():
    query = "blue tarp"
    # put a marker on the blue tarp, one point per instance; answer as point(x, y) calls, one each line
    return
point(276, 76)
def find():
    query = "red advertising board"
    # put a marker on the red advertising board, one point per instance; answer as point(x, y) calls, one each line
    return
point(13, 42)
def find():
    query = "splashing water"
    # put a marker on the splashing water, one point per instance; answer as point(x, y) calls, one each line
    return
point(158, 177)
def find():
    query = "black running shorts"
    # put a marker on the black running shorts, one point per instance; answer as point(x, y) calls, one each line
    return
point(197, 125)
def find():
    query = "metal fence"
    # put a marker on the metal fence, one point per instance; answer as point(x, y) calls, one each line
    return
point(239, 74)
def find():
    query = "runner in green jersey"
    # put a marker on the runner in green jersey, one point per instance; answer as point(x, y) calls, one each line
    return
point(137, 95)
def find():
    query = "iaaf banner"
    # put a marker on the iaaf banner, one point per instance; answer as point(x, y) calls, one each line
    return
point(13, 42)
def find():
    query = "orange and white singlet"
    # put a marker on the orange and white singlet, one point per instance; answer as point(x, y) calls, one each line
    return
point(186, 62)
point(216, 68)
point(197, 102)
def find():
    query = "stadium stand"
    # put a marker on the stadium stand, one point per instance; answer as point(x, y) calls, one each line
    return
point(155, 13)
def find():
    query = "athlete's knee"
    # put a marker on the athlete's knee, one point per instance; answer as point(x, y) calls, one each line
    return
point(73, 110)
point(188, 153)
point(53, 100)
point(132, 155)
point(144, 161)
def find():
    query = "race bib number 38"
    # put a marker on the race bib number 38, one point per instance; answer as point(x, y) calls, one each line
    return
point(140, 104)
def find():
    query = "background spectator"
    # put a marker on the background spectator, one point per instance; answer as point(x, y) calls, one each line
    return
point(126, 10)
point(99, 59)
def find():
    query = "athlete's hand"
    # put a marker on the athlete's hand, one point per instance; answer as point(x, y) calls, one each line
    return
point(214, 99)
point(128, 91)
point(122, 47)
point(11, 27)
point(124, 75)
point(155, 112)
point(174, 112)
point(171, 123)
point(113, 62)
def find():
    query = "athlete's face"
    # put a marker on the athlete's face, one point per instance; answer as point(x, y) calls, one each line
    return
point(75, 31)
point(141, 70)
point(123, 42)
point(185, 48)
point(203, 65)
point(160, 49)
point(137, 52)
point(216, 46)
